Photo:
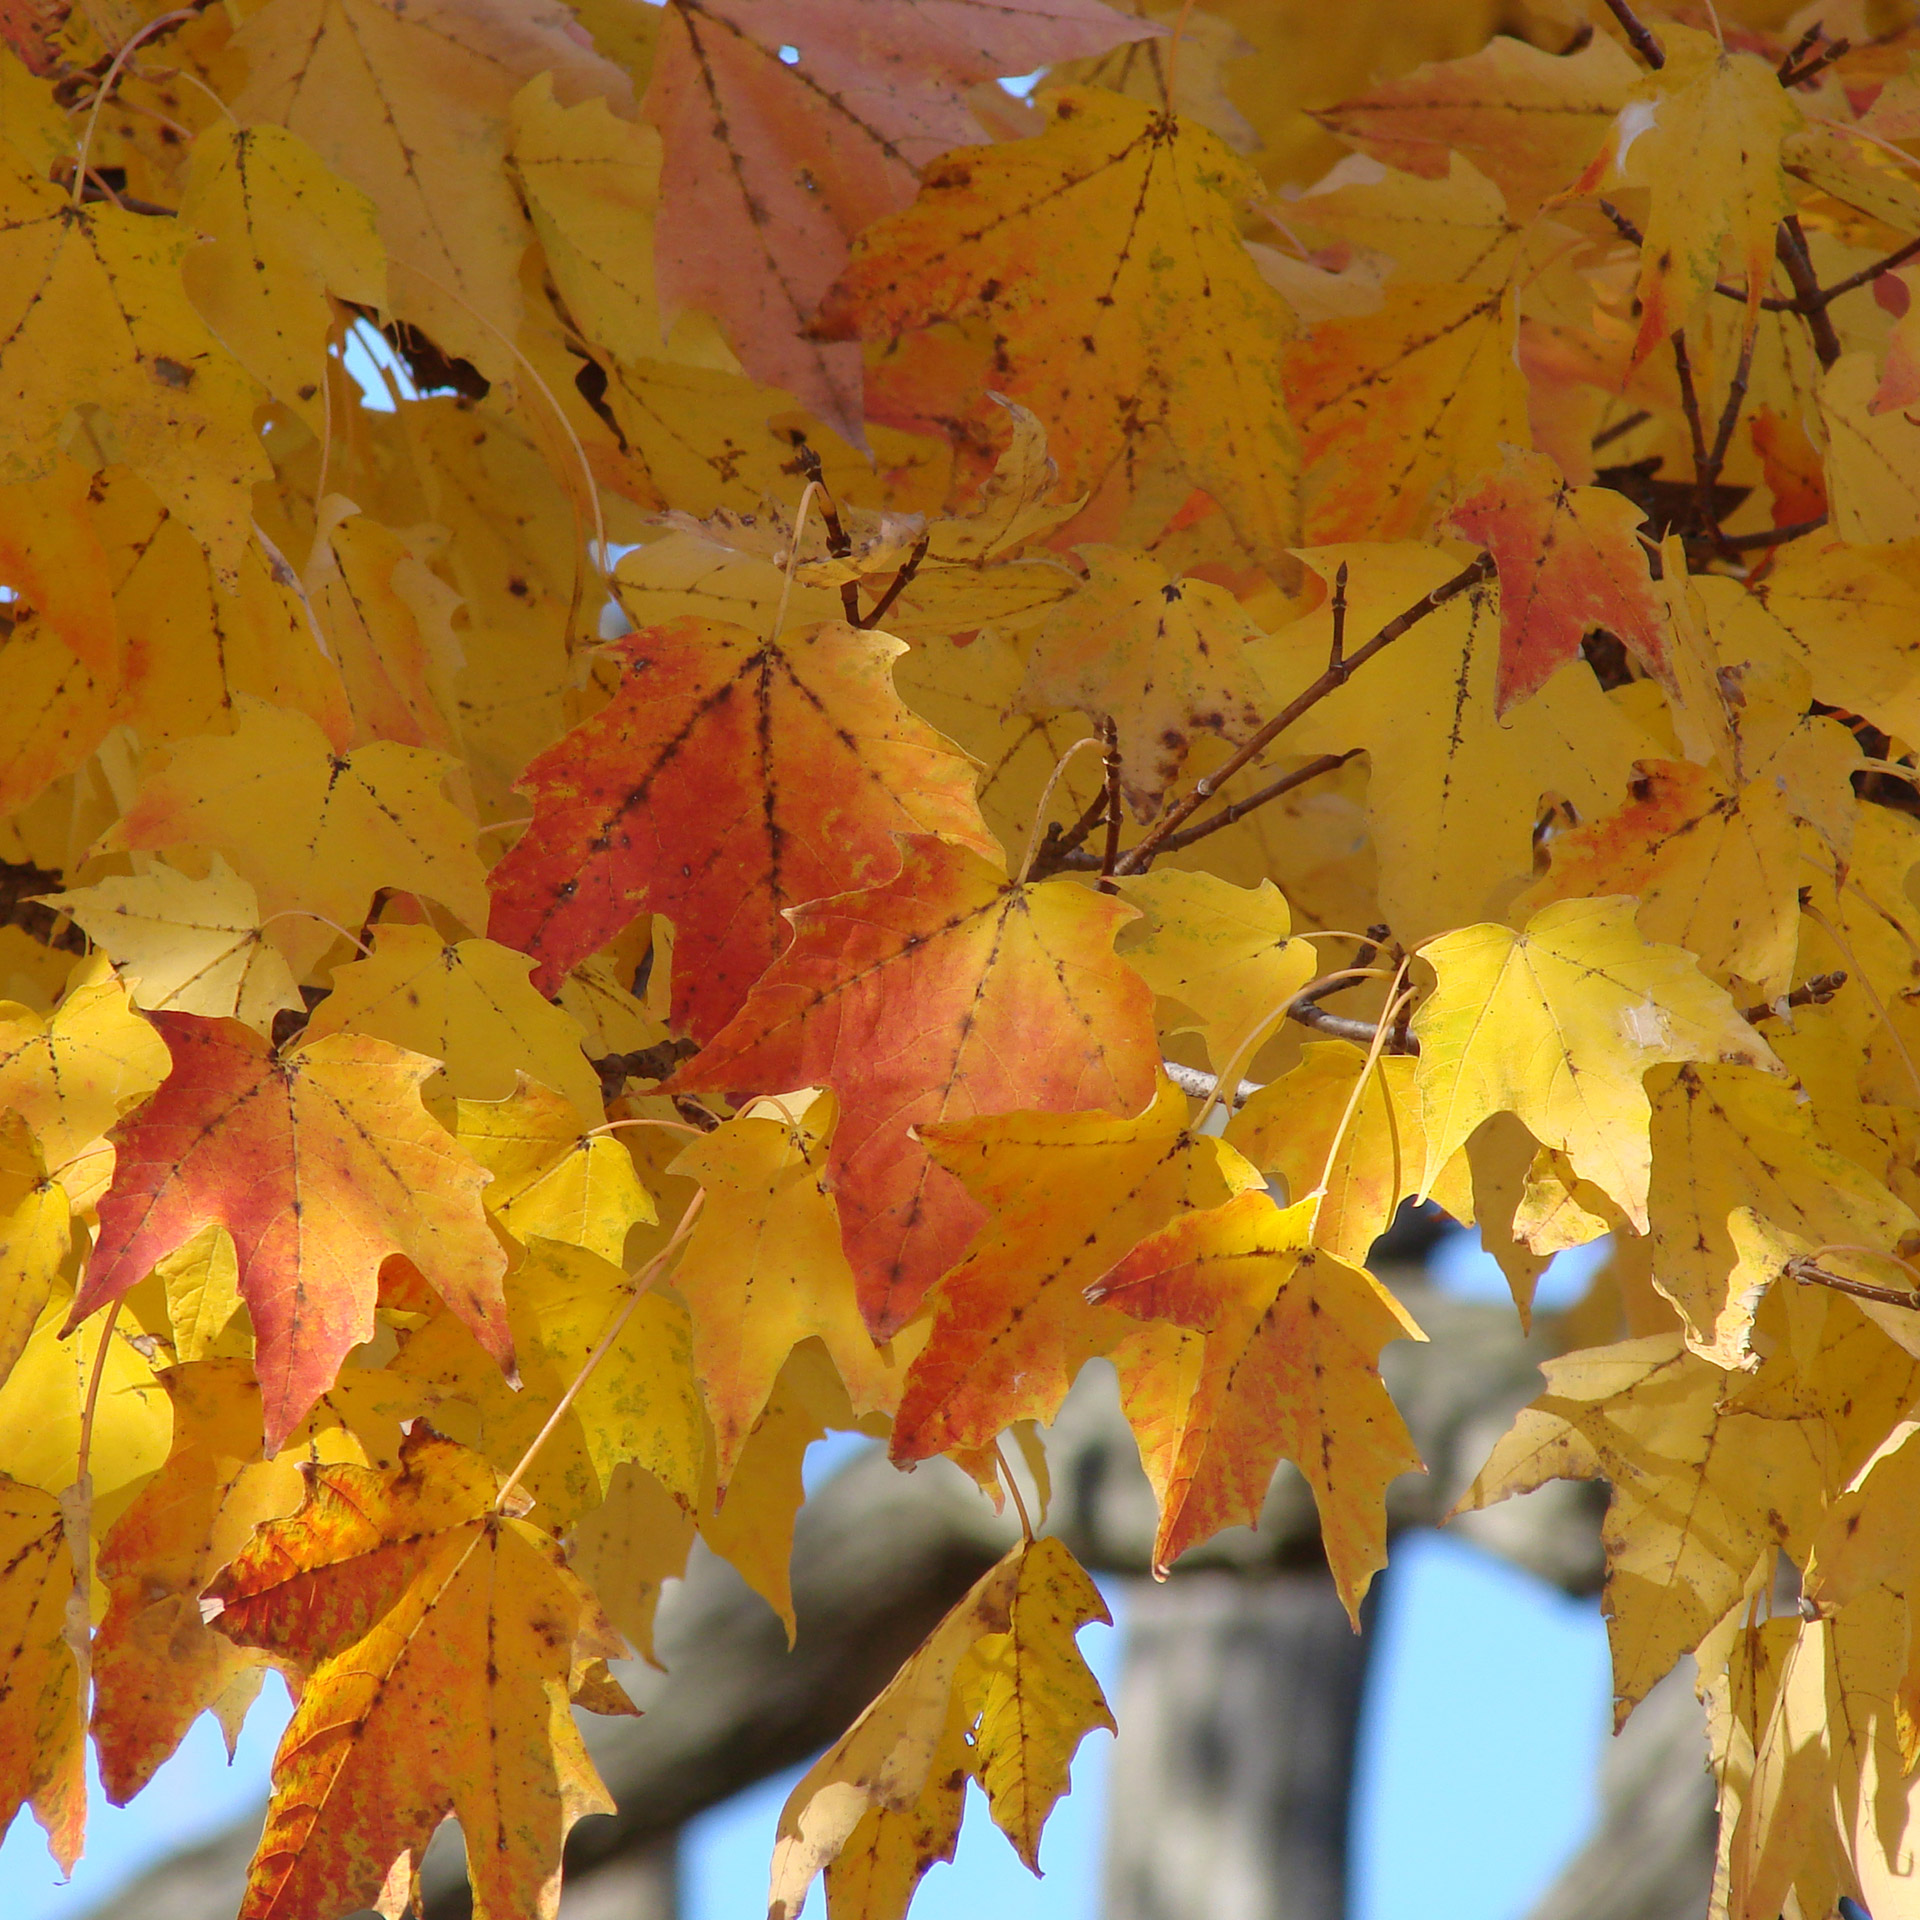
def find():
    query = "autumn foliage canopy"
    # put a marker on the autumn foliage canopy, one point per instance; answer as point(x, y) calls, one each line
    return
point(687, 695)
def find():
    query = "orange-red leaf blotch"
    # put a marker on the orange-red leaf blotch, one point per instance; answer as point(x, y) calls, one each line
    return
point(946, 993)
point(320, 1162)
point(730, 778)
point(1570, 561)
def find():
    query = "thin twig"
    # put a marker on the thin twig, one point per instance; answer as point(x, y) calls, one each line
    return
point(1046, 800)
point(1310, 770)
point(1607, 435)
point(838, 543)
point(1770, 536)
point(1337, 653)
point(1137, 859)
point(1799, 51)
point(1809, 1273)
point(1769, 303)
point(1898, 258)
point(1790, 245)
point(1814, 992)
point(1690, 403)
point(1832, 51)
point(901, 582)
point(1709, 476)
point(1644, 44)
point(1110, 734)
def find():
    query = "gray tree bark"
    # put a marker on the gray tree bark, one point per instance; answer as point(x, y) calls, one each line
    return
point(1242, 1675)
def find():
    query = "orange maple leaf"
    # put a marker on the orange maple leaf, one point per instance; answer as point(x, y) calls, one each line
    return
point(320, 1162)
point(1570, 560)
point(945, 993)
point(731, 778)
point(789, 125)
point(1293, 1339)
point(441, 1637)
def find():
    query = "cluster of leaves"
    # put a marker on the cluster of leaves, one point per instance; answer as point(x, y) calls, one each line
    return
point(1415, 602)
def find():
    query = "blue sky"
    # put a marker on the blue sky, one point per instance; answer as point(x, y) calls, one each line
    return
point(1478, 1755)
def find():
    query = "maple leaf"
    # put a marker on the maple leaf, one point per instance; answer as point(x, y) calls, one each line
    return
point(884, 1802)
point(640, 1403)
point(1685, 1451)
point(283, 233)
point(156, 1666)
point(1725, 1138)
point(439, 1637)
point(187, 946)
point(1221, 951)
point(1094, 252)
point(1529, 121)
point(94, 315)
point(1290, 1369)
point(410, 104)
point(320, 1162)
point(72, 1074)
point(551, 1180)
point(1398, 409)
point(1559, 1024)
point(1704, 136)
point(51, 556)
point(1452, 229)
point(43, 1746)
point(763, 1270)
point(772, 166)
point(1037, 1697)
point(1068, 1195)
point(946, 992)
point(1570, 562)
point(592, 183)
point(470, 1007)
point(314, 830)
point(730, 779)
point(1159, 658)
point(1452, 808)
point(1291, 1127)
point(34, 1230)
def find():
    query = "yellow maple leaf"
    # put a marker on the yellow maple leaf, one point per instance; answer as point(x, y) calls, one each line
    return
point(43, 1734)
point(1223, 952)
point(1034, 1693)
point(1704, 137)
point(187, 946)
point(283, 232)
point(629, 1546)
point(470, 1006)
point(72, 1074)
point(1159, 658)
point(94, 316)
point(315, 831)
point(1452, 807)
point(1288, 1129)
point(34, 1227)
point(641, 1403)
point(410, 104)
point(1559, 1025)
point(593, 186)
point(551, 1180)
point(763, 1270)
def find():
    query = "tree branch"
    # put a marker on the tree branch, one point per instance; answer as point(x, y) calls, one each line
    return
point(1790, 244)
point(1644, 44)
point(1310, 770)
point(1770, 536)
point(1898, 258)
point(1138, 858)
point(1813, 992)
point(901, 581)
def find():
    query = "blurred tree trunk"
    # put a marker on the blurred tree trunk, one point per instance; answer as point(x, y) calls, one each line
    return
point(1231, 1780)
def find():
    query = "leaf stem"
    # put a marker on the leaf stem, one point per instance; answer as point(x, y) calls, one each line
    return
point(112, 80)
point(1013, 1487)
point(642, 1281)
point(1046, 799)
point(1110, 733)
